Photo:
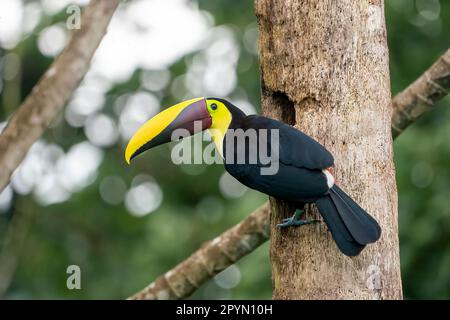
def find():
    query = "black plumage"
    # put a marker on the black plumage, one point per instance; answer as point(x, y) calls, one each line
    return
point(300, 178)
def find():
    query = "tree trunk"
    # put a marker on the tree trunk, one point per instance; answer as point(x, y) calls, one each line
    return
point(324, 69)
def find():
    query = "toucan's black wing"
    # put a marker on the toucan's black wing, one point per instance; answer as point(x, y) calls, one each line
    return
point(289, 183)
point(296, 148)
point(300, 178)
point(299, 160)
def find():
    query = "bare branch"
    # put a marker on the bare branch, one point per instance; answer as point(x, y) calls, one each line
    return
point(213, 257)
point(432, 86)
point(55, 87)
point(421, 95)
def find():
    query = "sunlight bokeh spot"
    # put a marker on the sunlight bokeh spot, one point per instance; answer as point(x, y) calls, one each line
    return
point(210, 209)
point(228, 278)
point(101, 130)
point(230, 187)
point(144, 196)
point(112, 190)
point(78, 168)
point(139, 108)
point(155, 80)
point(11, 17)
point(52, 40)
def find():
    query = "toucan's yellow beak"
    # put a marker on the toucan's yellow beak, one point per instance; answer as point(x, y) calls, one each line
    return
point(191, 115)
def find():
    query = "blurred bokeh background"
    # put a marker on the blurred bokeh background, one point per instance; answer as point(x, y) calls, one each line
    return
point(73, 201)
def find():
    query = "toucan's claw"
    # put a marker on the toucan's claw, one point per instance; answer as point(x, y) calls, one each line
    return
point(296, 223)
point(295, 220)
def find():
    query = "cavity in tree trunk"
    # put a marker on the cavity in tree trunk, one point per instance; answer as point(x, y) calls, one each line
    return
point(324, 69)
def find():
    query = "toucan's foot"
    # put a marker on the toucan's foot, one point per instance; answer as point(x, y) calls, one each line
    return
point(295, 220)
point(294, 223)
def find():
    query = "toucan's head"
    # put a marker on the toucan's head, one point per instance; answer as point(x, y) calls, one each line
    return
point(193, 115)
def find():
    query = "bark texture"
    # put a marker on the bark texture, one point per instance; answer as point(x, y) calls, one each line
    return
point(324, 68)
point(55, 87)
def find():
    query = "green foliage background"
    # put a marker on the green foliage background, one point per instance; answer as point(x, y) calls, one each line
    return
point(119, 253)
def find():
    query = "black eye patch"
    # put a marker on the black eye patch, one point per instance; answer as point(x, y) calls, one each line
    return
point(213, 106)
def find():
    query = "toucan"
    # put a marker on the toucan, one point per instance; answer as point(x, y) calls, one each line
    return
point(304, 167)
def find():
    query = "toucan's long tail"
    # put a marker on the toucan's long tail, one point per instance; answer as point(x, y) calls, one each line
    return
point(350, 225)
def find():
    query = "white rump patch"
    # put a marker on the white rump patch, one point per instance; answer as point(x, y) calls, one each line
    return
point(330, 178)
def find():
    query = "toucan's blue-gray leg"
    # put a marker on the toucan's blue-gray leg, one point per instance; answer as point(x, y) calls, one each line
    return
point(295, 220)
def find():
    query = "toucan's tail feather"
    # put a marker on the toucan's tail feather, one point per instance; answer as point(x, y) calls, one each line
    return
point(351, 227)
point(363, 227)
point(339, 231)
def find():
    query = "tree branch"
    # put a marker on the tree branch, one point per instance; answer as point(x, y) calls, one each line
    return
point(55, 87)
point(213, 257)
point(421, 95)
point(409, 105)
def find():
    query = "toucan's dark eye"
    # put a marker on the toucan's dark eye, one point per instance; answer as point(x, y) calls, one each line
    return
point(213, 106)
